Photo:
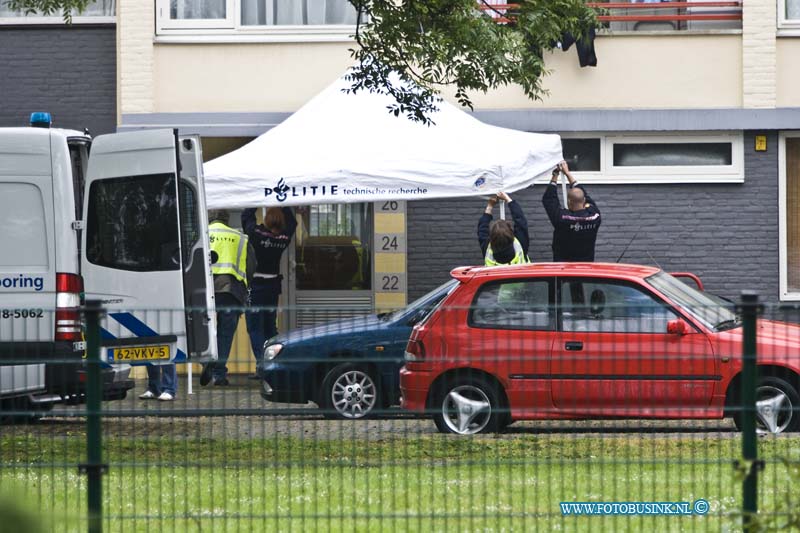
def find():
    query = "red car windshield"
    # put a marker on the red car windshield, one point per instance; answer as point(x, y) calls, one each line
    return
point(707, 310)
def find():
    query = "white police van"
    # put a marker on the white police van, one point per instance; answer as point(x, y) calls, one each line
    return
point(126, 226)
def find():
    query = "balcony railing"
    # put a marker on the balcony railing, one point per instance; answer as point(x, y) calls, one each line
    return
point(673, 15)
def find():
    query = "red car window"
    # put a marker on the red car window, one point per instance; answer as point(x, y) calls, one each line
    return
point(514, 304)
point(611, 307)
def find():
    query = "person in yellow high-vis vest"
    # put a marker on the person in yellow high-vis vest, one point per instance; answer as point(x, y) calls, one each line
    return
point(233, 263)
point(501, 242)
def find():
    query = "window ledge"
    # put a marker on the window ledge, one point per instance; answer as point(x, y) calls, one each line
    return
point(55, 21)
point(789, 32)
point(289, 34)
point(667, 33)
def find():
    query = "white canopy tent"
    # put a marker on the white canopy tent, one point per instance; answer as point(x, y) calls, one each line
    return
point(345, 148)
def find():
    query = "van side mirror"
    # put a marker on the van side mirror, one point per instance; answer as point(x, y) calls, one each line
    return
point(677, 327)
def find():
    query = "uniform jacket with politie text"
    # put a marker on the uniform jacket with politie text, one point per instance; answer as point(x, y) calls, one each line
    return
point(574, 232)
point(268, 246)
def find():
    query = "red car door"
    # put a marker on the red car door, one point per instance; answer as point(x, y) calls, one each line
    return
point(613, 355)
point(511, 328)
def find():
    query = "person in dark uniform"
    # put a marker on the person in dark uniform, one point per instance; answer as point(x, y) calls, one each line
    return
point(500, 242)
point(269, 240)
point(574, 228)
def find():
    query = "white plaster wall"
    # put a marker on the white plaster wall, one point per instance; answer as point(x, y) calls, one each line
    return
point(788, 72)
point(676, 71)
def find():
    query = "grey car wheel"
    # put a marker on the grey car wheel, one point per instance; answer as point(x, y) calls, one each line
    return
point(349, 391)
point(774, 410)
point(777, 407)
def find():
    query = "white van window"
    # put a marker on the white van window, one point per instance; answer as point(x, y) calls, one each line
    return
point(133, 223)
point(24, 236)
point(78, 155)
point(190, 226)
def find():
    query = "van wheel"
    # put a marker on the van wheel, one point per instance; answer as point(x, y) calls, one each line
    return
point(349, 391)
point(468, 406)
point(777, 407)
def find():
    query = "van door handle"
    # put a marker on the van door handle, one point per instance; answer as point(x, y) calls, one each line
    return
point(573, 346)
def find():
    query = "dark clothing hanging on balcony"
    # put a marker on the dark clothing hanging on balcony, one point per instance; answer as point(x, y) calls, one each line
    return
point(584, 45)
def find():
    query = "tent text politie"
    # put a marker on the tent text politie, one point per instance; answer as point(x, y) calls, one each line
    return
point(346, 148)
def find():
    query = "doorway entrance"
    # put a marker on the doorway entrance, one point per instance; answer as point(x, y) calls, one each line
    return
point(789, 214)
point(330, 264)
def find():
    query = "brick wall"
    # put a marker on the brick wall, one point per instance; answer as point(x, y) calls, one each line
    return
point(135, 22)
point(68, 71)
point(759, 48)
point(727, 234)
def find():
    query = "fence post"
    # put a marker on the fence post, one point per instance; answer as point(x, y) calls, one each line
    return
point(749, 309)
point(94, 467)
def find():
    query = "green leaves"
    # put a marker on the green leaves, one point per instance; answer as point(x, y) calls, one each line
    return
point(49, 7)
point(431, 44)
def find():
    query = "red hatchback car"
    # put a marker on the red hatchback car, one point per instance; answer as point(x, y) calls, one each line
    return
point(590, 340)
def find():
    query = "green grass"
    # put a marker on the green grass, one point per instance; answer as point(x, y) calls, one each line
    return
point(415, 483)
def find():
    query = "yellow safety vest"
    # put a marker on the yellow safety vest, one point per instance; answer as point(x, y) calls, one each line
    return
point(231, 248)
point(519, 256)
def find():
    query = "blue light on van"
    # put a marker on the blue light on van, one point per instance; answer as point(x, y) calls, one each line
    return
point(41, 119)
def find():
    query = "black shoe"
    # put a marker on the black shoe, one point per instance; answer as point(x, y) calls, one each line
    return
point(205, 376)
point(221, 382)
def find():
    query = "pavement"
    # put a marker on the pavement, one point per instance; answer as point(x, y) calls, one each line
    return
point(238, 411)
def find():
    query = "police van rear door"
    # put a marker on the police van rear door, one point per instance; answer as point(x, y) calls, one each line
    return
point(145, 248)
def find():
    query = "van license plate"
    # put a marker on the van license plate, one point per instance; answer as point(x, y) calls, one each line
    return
point(141, 353)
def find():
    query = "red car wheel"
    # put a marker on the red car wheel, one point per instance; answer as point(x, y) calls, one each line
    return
point(468, 406)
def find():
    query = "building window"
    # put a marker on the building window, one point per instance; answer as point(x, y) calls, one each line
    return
point(198, 9)
point(582, 155)
point(235, 20)
point(789, 14)
point(789, 215)
point(297, 12)
point(97, 11)
point(647, 158)
point(195, 14)
point(672, 154)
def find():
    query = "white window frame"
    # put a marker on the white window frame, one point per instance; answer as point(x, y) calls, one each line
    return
point(231, 30)
point(783, 22)
point(614, 175)
point(162, 16)
point(783, 252)
point(35, 20)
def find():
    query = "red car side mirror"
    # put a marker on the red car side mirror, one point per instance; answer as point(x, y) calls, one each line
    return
point(677, 327)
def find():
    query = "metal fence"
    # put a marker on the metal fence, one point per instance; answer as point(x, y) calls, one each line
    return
point(593, 416)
